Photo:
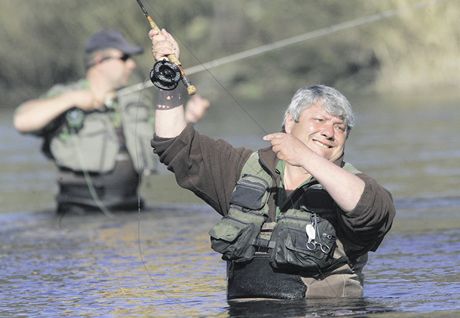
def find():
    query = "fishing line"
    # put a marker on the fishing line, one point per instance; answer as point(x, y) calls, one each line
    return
point(89, 182)
point(274, 46)
point(304, 37)
point(222, 86)
point(139, 205)
point(141, 252)
point(164, 294)
point(289, 41)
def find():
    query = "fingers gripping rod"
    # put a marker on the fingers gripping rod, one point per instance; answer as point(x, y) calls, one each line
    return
point(191, 89)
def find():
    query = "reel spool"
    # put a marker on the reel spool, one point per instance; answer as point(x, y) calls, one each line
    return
point(165, 75)
point(75, 118)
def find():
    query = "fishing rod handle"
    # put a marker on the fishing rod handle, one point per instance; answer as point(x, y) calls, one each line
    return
point(191, 89)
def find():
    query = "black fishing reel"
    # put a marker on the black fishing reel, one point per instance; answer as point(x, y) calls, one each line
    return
point(165, 75)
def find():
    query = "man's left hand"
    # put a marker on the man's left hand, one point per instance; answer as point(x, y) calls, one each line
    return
point(196, 108)
point(288, 148)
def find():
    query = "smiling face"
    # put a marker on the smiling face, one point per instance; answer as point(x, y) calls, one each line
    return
point(323, 133)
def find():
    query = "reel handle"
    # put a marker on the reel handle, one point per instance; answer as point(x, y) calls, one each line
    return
point(191, 89)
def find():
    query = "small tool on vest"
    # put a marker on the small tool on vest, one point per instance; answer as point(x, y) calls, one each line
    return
point(166, 74)
point(311, 232)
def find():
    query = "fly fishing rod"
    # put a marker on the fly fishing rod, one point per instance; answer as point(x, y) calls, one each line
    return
point(318, 33)
point(166, 74)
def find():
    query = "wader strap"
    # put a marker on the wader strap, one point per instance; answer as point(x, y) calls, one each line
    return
point(268, 226)
point(262, 243)
point(338, 263)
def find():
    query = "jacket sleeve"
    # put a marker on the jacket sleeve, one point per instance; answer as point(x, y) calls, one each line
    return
point(366, 225)
point(210, 168)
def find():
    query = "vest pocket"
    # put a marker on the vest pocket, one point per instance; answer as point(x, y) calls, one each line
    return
point(295, 252)
point(250, 193)
point(235, 235)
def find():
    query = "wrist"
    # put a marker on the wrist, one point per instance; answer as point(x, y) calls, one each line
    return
point(169, 99)
point(69, 100)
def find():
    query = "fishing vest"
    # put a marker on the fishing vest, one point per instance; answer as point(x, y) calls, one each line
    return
point(88, 141)
point(302, 240)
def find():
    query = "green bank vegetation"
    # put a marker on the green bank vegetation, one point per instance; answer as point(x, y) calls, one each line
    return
point(42, 43)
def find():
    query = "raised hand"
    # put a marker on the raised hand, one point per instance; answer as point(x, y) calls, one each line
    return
point(163, 44)
point(196, 108)
point(288, 148)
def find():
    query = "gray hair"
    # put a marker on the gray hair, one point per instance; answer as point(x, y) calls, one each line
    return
point(332, 101)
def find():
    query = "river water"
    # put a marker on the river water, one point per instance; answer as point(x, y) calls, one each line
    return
point(158, 263)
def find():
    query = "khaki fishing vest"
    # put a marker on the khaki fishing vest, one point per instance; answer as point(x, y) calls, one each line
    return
point(244, 231)
point(94, 146)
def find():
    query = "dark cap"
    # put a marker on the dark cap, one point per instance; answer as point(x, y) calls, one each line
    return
point(111, 39)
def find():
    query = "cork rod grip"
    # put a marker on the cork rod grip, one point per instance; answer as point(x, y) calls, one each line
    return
point(191, 89)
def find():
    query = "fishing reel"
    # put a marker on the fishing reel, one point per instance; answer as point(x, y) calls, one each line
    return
point(74, 118)
point(165, 75)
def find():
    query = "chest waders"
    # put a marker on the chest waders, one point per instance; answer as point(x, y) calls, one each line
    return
point(101, 154)
point(301, 242)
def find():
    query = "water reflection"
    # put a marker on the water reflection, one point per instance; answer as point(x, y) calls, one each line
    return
point(159, 264)
point(311, 308)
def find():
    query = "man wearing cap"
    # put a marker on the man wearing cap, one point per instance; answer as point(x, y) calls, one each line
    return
point(100, 141)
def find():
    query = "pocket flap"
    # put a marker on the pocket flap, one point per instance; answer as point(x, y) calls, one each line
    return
point(251, 192)
point(227, 230)
point(296, 243)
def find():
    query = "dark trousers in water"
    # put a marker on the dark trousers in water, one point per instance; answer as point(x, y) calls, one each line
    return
point(116, 191)
point(257, 279)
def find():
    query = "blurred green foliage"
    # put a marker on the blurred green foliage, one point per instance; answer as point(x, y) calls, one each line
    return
point(43, 40)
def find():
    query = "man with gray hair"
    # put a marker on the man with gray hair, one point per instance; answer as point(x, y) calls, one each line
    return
point(298, 221)
point(333, 101)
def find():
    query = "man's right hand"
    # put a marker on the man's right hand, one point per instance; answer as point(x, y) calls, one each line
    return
point(163, 44)
point(86, 99)
point(35, 114)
